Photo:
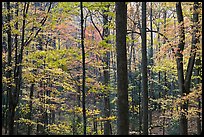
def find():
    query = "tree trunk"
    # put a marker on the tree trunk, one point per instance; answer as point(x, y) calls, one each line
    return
point(78, 102)
point(16, 61)
point(144, 71)
point(131, 80)
point(179, 61)
point(84, 76)
point(95, 123)
point(150, 71)
point(195, 40)
point(30, 107)
point(159, 73)
point(198, 81)
point(140, 106)
point(165, 77)
point(107, 125)
point(11, 110)
point(122, 77)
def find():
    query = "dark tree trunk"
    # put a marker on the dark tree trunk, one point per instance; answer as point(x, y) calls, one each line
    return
point(45, 115)
point(59, 41)
point(150, 71)
point(74, 124)
point(144, 71)
point(30, 107)
point(164, 109)
point(11, 110)
point(84, 76)
point(140, 106)
point(131, 80)
point(122, 76)
point(95, 123)
point(16, 60)
point(198, 81)
point(78, 101)
point(165, 78)
point(107, 125)
point(179, 61)
point(184, 85)
point(195, 40)
point(159, 73)
point(16, 48)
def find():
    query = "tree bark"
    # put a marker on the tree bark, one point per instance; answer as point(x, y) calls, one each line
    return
point(30, 107)
point(144, 71)
point(198, 81)
point(107, 125)
point(195, 39)
point(150, 71)
point(140, 106)
point(179, 61)
point(165, 77)
point(11, 111)
point(122, 77)
point(83, 68)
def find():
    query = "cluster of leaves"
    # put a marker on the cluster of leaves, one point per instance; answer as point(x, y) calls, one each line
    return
point(172, 104)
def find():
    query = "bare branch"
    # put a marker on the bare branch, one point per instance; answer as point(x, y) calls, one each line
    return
point(42, 23)
point(95, 25)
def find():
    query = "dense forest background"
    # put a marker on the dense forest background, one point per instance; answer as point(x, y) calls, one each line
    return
point(101, 68)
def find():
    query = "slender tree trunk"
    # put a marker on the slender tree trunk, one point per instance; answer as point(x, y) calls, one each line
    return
point(46, 93)
point(59, 41)
point(164, 109)
point(40, 94)
point(131, 81)
point(52, 115)
point(7, 112)
point(144, 71)
point(11, 111)
point(184, 86)
point(159, 73)
point(122, 77)
point(78, 101)
point(195, 40)
point(18, 83)
point(165, 77)
point(74, 124)
point(179, 61)
point(107, 125)
point(151, 72)
point(30, 107)
point(140, 106)
point(5, 95)
point(197, 73)
point(84, 76)
point(16, 60)
point(95, 123)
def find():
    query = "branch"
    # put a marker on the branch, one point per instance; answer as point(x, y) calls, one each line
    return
point(148, 30)
point(95, 26)
point(130, 32)
point(195, 40)
point(132, 20)
point(42, 23)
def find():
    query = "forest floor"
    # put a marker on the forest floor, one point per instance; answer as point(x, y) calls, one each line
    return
point(158, 130)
